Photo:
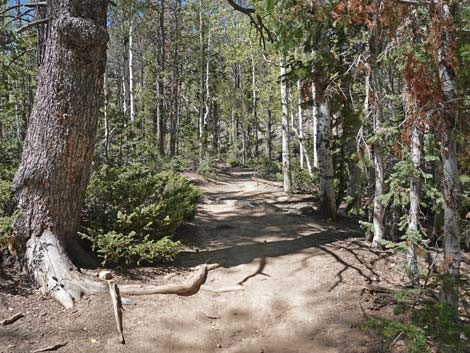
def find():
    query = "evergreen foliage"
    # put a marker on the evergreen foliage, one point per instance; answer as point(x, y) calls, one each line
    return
point(130, 213)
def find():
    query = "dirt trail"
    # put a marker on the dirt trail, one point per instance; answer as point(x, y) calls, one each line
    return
point(299, 284)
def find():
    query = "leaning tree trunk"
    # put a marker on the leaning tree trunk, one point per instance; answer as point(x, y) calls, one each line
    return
point(51, 180)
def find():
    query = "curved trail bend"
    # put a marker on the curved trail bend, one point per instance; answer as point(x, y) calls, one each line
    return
point(302, 280)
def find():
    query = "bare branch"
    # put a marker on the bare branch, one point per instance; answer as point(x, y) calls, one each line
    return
point(245, 10)
point(32, 24)
point(255, 19)
point(13, 7)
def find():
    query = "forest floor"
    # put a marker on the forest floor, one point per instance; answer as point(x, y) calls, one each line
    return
point(288, 282)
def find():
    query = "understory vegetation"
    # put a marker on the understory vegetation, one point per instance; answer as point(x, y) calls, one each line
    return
point(131, 212)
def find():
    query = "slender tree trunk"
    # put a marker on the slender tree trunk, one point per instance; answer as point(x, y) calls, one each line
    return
point(301, 130)
point(286, 168)
point(160, 83)
point(375, 87)
point(51, 180)
point(268, 135)
point(325, 158)
point(314, 127)
point(124, 93)
point(450, 178)
point(131, 74)
point(201, 84)
point(355, 187)
point(105, 116)
point(176, 79)
point(413, 224)
point(255, 111)
point(207, 105)
point(379, 209)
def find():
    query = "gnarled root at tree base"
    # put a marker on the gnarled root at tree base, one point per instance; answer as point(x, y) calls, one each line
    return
point(55, 274)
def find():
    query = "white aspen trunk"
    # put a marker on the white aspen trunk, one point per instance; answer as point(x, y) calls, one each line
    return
point(208, 91)
point(201, 85)
point(413, 224)
point(268, 135)
point(314, 126)
point(105, 116)
point(325, 160)
point(124, 90)
point(286, 169)
point(301, 130)
point(255, 112)
point(131, 74)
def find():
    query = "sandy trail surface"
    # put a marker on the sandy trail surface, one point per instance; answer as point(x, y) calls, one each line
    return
point(288, 282)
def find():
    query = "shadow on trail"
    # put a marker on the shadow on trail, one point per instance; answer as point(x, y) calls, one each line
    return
point(245, 253)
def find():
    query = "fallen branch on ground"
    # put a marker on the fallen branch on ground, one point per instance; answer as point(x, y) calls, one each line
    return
point(51, 348)
point(12, 319)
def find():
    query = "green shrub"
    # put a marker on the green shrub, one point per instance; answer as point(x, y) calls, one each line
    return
point(207, 167)
point(267, 169)
point(303, 182)
point(425, 324)
point(130, 212)
point(115, 247)
point(6, 219)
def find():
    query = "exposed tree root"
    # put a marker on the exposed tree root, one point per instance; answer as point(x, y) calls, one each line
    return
point(51, 348)
point(57, 276)
point(12, 319)
point(188, 289)
point(53, 271)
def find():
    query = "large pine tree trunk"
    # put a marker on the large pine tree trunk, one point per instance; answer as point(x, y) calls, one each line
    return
point(51, 180)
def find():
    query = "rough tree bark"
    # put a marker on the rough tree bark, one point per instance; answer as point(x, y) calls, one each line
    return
point(50, 182)
point(303, 153)
point(413, 224)
point(325, 156)
point(375, 104)
point(450, 178)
